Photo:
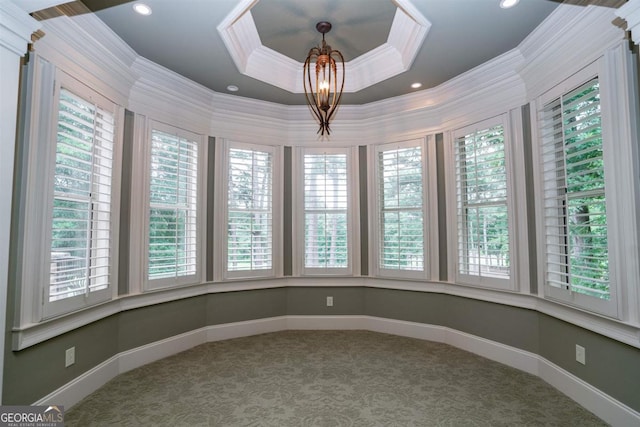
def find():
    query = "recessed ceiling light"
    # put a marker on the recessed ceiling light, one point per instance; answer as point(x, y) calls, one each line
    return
point(506, 4)
point(416, 85)
point(232, 88)
point(142, 9)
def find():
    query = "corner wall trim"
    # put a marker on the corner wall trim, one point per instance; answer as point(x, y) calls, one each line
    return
point(604, 406)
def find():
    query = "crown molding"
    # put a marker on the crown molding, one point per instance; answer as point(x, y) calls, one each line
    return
point(569, 39)
point(84, 47)
point(240, 35)
point(487, 90)
point(630, 12)
point(489, 73)
point(16, 27)
point(503, 83)
point(169, 97)
point(35, 5)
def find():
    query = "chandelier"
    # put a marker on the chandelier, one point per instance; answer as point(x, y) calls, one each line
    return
point(323, 88)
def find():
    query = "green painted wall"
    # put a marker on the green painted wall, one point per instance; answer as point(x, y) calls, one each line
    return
point(247, 305)
point(145, 325)
point(406, 305)
point(33, 373)
point(611, 366)
point(347, 301)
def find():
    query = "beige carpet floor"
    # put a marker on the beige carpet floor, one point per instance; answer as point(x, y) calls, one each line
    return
point(327, 378)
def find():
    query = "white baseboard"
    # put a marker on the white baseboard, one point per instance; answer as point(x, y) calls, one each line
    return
point(601, 404)
point(327, 322)
point(247, 328)
point(82, 386)
point(604, 406)
point(511, 356)
point(140, 356)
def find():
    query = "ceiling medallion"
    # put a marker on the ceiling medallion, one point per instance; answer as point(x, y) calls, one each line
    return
point(323, 87)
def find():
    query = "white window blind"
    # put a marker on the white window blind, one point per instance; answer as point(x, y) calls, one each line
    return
point(173, 212)
point(574, 193)
point(81, 218)
point(325, 211)
point(481, 187)
point(401, 209)
point(250, 210)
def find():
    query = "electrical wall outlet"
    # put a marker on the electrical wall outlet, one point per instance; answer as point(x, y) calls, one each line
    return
point(581, 354)
point(329, 301)
point(69, 357)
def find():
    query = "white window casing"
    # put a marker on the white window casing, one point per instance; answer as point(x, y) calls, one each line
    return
point(587, 181)
point(483, 224)
point(251, 187)
point(402, 226)
point(72, 197)
point(326, 230)
point(173, 198)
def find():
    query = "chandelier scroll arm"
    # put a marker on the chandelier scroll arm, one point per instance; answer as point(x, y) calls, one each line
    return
point(309, 94)
point(337, 103)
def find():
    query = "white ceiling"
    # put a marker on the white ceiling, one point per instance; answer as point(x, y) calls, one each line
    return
point(182, 35)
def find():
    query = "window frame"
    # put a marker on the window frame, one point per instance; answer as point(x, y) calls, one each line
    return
point(620, 172)
point(353, 212)
point(38, 192)
point(188, 279)
point(429, 218)
point(483, 281)
point(276, 211)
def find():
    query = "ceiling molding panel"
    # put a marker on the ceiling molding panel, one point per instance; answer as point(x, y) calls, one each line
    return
point(275, 68)
point(408, 32)
point(240, 35)
point(406, 35)
point(373, 67)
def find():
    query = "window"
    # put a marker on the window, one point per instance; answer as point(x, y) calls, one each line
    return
point(250, 210)
point(80, 249)
point(482, 210)
point(576, 232)
point(327, 211)
point(173, 207)
point(399, 245)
